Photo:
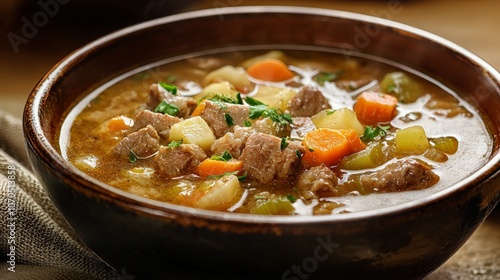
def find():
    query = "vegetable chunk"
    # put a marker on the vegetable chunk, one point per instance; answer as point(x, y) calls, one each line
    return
point(193, 131)
point(375, 107)
point(325, 146)
point(271, 70)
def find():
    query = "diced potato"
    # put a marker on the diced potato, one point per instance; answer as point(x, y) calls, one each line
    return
point(222, 88)
point(268, 126)
point(411, 140)
point(272, 54)
point(338, 119)
point(237, 76)
point(218, 194)
point(193, 131)
point(275, 97)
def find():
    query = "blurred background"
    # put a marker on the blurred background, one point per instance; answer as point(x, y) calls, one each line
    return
point(36, 34)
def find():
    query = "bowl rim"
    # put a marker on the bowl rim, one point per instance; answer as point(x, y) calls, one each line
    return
point(65, 171)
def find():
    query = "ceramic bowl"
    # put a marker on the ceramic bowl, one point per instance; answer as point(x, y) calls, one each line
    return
point(155, 240)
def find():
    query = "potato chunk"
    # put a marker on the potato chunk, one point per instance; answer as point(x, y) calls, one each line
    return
point(411, 140)
point(218, 194)
point(193, 131)
point(338, 119)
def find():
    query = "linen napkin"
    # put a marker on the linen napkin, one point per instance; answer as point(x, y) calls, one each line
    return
point(35, 240)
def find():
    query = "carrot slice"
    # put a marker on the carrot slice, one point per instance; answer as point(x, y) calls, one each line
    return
point(374, 107)
point(211, 167)
point(325, 146)
point(270, 69)
point(119, 123)
point(355, 143)
point(199, 109)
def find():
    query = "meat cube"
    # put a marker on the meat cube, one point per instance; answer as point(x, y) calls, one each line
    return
point(308, 102)
point(264, 160)
point(301, 126)
point(157, 94)
point(215, 116)
point(403, 175)
point(143, 143)
point(233, 142)
point(319, 181)
point(160, 122)
point(177, 161)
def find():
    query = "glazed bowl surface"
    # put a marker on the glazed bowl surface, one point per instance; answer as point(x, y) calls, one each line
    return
point(156, 240)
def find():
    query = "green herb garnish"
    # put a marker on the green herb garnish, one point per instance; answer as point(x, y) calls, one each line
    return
point(169, 87)
point(299, 155)
point(226, 156)
point(132, 157)
point(325, 76)
point(227, 99)
point(247, 123)
point(259, 109)
point(329, 112)
point(174, 144)
point(284, 143)
point(391, 88)
point(165, 108)
point(372, 132)
point(291, 198)
point(229, 119)
point(242, 178)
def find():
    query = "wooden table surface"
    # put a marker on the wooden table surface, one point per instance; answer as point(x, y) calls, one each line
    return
point(474, 25)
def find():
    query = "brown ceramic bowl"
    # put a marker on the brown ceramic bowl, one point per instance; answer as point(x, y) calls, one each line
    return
point(159, 240)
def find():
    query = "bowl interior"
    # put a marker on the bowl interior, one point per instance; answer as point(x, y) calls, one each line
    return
point(124, 50)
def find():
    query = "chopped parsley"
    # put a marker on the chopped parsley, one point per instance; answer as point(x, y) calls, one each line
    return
point(284, 143)
point(227, 99)
point(165, 108)
point(247, 123)
point(291, 198)
point(132, 157)
point(174, 144)
point(299, 155)
point(226, 156)
point(325, 76)
point(259, 109)
point(169, 87)
point(229, 119)
point(242, 178)
point(372, 132)
point(391, 88)
point(329, 112)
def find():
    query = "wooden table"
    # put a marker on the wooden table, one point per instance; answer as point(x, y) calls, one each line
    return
point(473, 24)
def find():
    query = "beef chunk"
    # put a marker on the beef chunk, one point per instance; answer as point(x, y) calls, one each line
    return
point(143, 142)
point(177, 161)
point(160, 122)
point(215, 116)
point(319, 181)
point(308, 102)
point(157, 94)
point(301, 126)
point(233, 142)
point(264, 160)
point(403, 175)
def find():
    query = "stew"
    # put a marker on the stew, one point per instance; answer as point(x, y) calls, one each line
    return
point(282, 132)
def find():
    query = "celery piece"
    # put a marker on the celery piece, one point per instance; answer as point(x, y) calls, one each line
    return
point(405, 89)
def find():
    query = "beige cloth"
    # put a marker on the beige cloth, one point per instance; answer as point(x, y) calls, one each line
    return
point(45, 245)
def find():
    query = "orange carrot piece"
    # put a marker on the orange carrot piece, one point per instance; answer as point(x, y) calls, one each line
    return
point(199, 109)
point(374, 107)
point(211, 167)
point(355, 143)
point(270, 69)
point(324, 146)
point(119, 123)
